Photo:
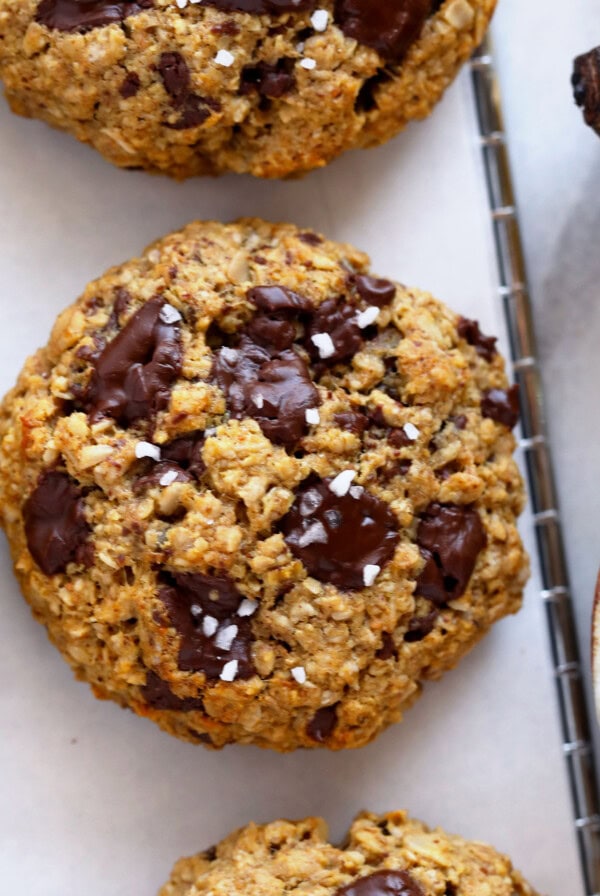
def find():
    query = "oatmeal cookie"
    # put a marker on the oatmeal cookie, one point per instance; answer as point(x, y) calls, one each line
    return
point(270, 87)
point(386, 855)
point(257, 494)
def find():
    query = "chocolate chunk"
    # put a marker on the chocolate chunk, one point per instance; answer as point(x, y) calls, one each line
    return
point(83, 15)
point(55, 525)
point(276, 391)
point(278, 298)
point(337, 320)
point(390, 27)
point(186, 452)
point(501, 406)
point(398, 438)
point(274, 326)
point(130, 86)
point(132, 376)
point(272, 80)
point(175, 75)
point(261, 7)
point(337, 537)
point(204, 611)
point(310, 238)
point(450, 539)
point(421, 626)
point(158, 694)
point(322, 724)
point(383, 883)
point(485, 346)
point(388, 650)
point(460, 421)
point(157, 471)
point(374, 291)
point(586, 86)
point(351, 421)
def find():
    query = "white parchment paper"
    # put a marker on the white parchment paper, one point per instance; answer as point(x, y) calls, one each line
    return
point(98, 802)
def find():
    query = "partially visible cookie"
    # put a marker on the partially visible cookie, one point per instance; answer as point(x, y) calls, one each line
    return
point(586, 86)
point(259, 495)
point(270, 87)
point(386, 855)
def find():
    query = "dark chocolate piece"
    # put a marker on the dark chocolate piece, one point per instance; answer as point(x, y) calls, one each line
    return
point(450, 539)
point(337, 537)
point(351, 421)
point(373, 290)
point(132, 376)
point(84, 15)
point(338, 320)
point(485, 346)
point(421, 626)
point(586, 86)
point(383, 883)
point(55, 524)
point(175, 75)
point(501, 406)
point(203, 610)
point(322, 724)
point(388, 649)
point(272, 80)
point(129, 88)
point(389, 27)
point(158, 694)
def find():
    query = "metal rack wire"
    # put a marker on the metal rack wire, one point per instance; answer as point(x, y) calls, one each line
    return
point(556, 593)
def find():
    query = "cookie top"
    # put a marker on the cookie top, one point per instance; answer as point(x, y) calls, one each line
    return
point(271, 87)
point(387, 855)
point(258, 494)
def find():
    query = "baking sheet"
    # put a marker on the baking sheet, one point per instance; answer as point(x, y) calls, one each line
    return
point(97, 801)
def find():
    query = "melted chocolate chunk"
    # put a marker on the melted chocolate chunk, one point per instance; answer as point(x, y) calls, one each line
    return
point(55, 525)
point(83, 15)
point(158, 694)
point(262, 7)
point(203, 610)
point(274, 327)
point(276, 391)
point(485, 346)
point(336, 537)
point(388, 27)
point(157, 471)
point(450, 539)
point(351, 421)
point(175, 75)
point(502, 406)
point(586, 86)
point(186, 452)
point(421, 626)
point(322, 724)
point(132, 376)
point(374, 291)
point(337, 319)
point(310, 238)
point(388, 650)
point(268, 79)
point(130, 86)
point(383, 883)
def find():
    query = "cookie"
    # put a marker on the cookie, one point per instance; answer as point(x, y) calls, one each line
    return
point(586, 87)
point(386, 855)
point(257, 494)
point(270, 87)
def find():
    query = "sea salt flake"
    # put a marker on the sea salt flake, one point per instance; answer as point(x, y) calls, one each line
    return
point(308, 63)
point(181, 4)
point(411, 432)
point(315, 534)
point(196, 610)
point(169, 315)
point(319, 19)
point(324, 344)
point(209, 626)
point(229, 354)
point(224, 58)
point(168, 478)
point(367, 317)
point(229, 671)
point(298, 673)
point(340, 486)
point(258, 400)
point(356, 491)
point(146, 449)
point(312, 416)
point(225, 637)
point(247, 607)
point(370, 573)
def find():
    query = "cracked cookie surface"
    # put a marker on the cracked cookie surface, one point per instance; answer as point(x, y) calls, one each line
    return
point(386, 855)
point(275, 90)
point(257, 494)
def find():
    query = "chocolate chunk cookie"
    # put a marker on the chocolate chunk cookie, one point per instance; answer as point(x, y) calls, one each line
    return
point(270, 87)
point(386, 855)
point(257, 494)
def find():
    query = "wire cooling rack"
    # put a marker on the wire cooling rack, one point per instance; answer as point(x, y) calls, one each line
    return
point(556, 594)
